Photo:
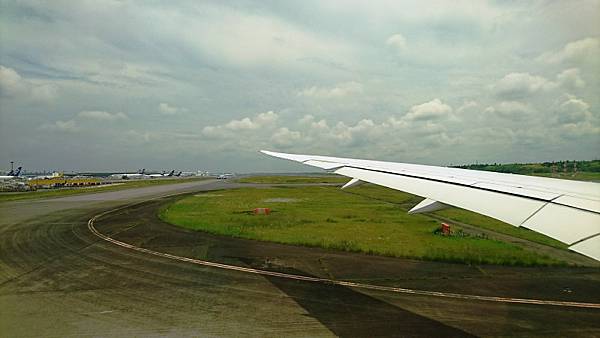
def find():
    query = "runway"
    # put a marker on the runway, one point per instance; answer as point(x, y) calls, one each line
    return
point(60, 279)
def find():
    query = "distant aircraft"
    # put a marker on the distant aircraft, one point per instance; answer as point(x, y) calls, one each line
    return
point(568, 211)
point(163, 174)
point(224, 176)
point(11, 175)
point(126, 176)
point(157, 175)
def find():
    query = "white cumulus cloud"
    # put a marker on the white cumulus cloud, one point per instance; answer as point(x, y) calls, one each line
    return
point(285, 137)
point(69, 126)
point(102, 115)
point(571, 78)
point(432, 110)
point(396, 41)
point(573, 51)
point(167, 109)
point(262, 120)
point(573, 110)
point(338, 91)
point(12, 84)
point(510, 110)
point(520, 85)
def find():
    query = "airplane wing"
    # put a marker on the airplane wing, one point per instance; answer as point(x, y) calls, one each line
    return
point(568, 211)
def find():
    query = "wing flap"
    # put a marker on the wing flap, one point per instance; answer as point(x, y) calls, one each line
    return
point(566, 224)
point(589, 247)
point(580, 203)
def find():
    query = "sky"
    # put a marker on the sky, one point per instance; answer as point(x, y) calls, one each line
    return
point(121, 85)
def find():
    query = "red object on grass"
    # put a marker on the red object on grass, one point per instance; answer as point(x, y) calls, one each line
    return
point(262, 211)
point(445, 228)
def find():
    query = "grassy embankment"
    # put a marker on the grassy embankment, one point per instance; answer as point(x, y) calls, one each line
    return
point(50, 193)
point(329, 218)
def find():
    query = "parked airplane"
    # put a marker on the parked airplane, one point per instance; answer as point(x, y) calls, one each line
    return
point(11, 174)
point(163, 174)
point(138, 175)
point(568, 211)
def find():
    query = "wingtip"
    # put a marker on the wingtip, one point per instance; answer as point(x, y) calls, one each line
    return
point(268, 152)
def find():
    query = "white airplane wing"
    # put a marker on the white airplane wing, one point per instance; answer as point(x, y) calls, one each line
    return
point(568, 211)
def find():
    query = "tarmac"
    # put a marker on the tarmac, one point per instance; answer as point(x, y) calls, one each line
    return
point(58, 278)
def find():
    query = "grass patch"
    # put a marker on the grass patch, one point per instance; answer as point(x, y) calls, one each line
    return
point(61, 192)
point(294, 179)
point(469, 217)
point(456, 214)
point(329, 218)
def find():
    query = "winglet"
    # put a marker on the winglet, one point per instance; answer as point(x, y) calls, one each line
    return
point(291, 157)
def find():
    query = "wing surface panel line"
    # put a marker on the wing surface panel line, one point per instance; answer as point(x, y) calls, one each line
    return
point(585, 239)
point(533, 214)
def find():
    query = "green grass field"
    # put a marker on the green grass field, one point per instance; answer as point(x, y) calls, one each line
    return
point(294, 179)
point(330, 218)
point(50, 193)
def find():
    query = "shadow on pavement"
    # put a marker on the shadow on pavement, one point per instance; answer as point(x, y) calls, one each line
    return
point(348, 313)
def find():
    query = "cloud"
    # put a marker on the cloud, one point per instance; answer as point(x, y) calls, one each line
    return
point(69, 126)
point(432, 110)
point(397, 42)
point(573, 51)
point(338, 91)
point(262, 120)
point(247, 39)
point(573, 110)
point(285, 137)
point(167, 109)
point(102, 115)
point(467, 106)
point(510, 110)
point(521, 85)
point(136, 136)
point(13, 85)
point(570, 78)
